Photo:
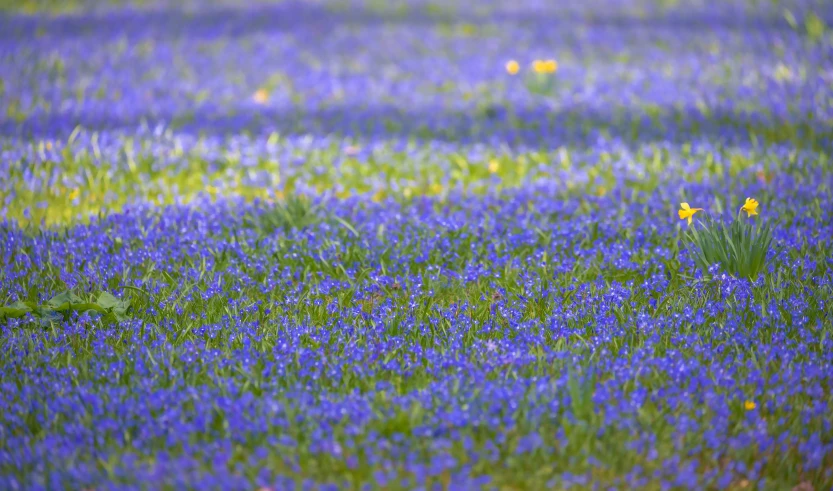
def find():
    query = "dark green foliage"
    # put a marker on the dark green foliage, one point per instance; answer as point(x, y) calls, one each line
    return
point(740, 248)
point(66, 302)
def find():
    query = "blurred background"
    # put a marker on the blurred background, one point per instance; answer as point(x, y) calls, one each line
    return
point(164, 101)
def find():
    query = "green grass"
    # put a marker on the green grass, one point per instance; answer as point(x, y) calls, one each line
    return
point(78, 186)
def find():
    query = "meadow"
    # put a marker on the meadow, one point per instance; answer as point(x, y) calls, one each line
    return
point(355, 244)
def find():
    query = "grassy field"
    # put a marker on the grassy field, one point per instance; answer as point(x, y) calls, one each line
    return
point(361, 245)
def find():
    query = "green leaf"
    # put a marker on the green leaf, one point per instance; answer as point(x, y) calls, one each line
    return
point(790, 18)
point(17, 309)
point(118, 308)
point(346, 225)
point(815, 27)
point(63, 301)
point(59, 305)
point(107, 300)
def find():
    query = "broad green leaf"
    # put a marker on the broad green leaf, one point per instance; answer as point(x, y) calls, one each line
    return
point(113, 305)
point(63, 300)
point(107, 300)
point(17, 309)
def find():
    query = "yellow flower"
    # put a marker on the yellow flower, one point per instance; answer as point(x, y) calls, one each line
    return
point(512, 67)
point(544, 66)
point(261, 96)
point(494, 166)
point(687, 212)
point(74, 194)
point(749, 405)
point(750, 207)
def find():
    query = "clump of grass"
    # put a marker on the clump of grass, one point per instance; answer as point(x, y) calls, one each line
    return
point(740, 247)
point(295, 212)
point(541, 79)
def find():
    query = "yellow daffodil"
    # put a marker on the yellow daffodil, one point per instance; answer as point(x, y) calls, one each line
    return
point(750, 207)
point(512, 67)
point(749, 405)
point(686, 212)
point(544, 66)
